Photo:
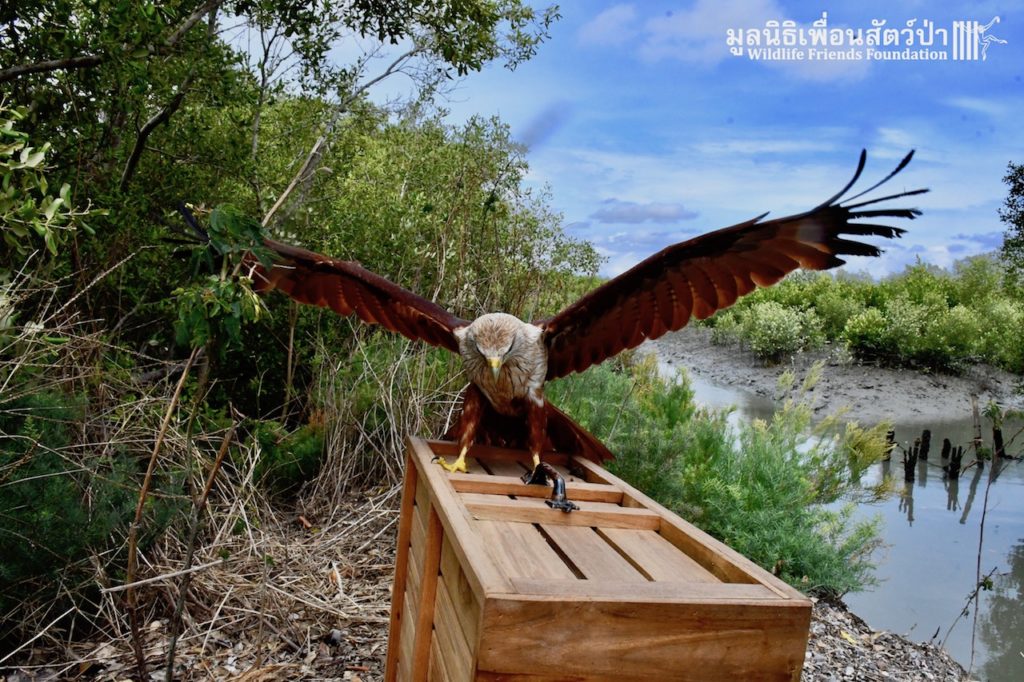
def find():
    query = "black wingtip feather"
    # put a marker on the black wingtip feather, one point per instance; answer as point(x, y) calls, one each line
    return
point(856, 176)
point(900, 166)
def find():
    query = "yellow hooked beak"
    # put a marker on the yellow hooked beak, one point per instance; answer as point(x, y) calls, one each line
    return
point(495, 364)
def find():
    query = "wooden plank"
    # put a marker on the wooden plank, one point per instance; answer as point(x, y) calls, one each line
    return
point(414, 576)
point(569, 591)
point(473, 464)
point(437, 671)
point(481, 571)
point(521, 551)
point(417, 538)
point(656, 557)
point(428, 591)
point(401, 567)
point(455, 650)
point(594, 557)
point(692, 642)
point(624, 676)
point(513, 485)
point(722, 561)
point(406, 640)
point(506, 468)
point(467, 608)
point(532, 510)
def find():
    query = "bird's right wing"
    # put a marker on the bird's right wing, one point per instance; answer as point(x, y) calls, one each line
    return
point(347, 287)
point(695, 278)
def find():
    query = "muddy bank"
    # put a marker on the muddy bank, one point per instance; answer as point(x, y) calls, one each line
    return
point(868, 393)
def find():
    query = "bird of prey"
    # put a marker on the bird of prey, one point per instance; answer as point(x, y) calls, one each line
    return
point(508, 361)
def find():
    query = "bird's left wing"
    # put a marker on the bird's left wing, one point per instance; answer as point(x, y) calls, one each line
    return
point(697, 277)
point(347, 287)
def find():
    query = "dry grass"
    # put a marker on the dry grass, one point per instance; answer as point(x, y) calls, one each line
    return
point(277, 590)
point(287, 601)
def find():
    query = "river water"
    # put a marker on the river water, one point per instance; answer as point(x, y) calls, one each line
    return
point(932, 527)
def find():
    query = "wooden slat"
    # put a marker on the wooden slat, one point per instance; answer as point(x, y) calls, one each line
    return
point(520, 550)
point(484, 676)
point(722, 561)
point(456, 651)
point(506, 468)
point(416, 540)
point(473, 464)
point(692, 642)
point(437, 671)
point(532, 510)
point(406, 640)
point(428, 592)
point(656, 557)
point(481, 571)
point(512, 485)
point(401, 567)
point(594, 557)
point(466, 605)
point(569, 591)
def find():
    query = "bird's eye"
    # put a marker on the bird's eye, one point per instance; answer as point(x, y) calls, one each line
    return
point(510, 347)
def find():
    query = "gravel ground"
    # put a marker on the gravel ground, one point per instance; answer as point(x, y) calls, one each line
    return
point(843, 647)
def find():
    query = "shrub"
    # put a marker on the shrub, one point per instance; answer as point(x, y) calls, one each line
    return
point(287, 458)
point(836, 306)
point(867, 335)
point(773, 331)
point(60, 509)
point(951, 339)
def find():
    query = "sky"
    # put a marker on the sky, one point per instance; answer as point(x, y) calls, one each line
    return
point(647, 131)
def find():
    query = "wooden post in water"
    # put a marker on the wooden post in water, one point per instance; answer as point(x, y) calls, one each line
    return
point(890, 444)
point(946, 447)
point(926, 443)
point(977, 428)
point(954, 462)
point(997, 443)
point(910, 462)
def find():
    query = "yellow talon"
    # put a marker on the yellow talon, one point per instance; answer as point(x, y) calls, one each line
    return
point(457, 465)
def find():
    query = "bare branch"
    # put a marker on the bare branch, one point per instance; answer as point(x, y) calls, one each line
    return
point(82, 62)
point(316, 152)
point(157, 119)
point(193, 19)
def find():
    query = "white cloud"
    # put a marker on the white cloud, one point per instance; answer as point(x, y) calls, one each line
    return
point(989, 107)
point(614, 26)
point(631, 212)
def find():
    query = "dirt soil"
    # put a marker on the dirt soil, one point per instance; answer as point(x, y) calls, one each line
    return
point(869, 393)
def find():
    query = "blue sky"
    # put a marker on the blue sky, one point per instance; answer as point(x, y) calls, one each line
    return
point(647, 131)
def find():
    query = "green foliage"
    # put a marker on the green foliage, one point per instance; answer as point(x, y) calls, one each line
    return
point(58, 512)
point(924, 317)
point(215, 308)
point(1012, 215)
point(773, 331)
point(773, 491)
point(30, 216)
point(287, 458)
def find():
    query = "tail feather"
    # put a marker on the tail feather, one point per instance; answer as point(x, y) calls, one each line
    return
point(568, 436)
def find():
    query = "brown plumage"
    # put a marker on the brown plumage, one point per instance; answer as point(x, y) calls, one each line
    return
point(507, 360)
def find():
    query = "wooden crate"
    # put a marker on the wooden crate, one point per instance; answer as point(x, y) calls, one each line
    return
point(491, 584)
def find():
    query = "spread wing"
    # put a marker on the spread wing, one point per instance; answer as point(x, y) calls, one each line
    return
point(697, 277)
point(347, 287)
